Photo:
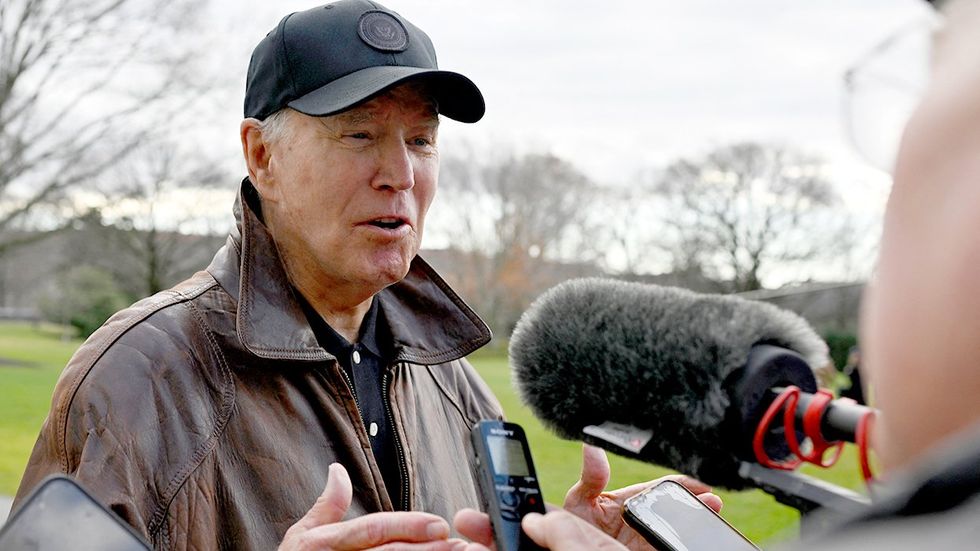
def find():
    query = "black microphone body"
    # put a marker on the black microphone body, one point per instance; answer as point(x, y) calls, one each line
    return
point(766, 370)
point(686, 366)
point(840, 419)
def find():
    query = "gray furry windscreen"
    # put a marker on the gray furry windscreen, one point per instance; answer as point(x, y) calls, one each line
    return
point(593, 350)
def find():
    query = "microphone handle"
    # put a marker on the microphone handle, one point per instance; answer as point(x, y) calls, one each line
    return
point(839, 420)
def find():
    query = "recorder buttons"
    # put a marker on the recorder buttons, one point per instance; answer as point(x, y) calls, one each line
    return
point(517, 502)
point(509, 499)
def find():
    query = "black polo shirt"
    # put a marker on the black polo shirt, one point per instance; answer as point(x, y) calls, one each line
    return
point(364, 364)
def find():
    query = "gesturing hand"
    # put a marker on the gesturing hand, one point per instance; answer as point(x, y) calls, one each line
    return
point(560, 531)
point(322, 527)
point(588, 499)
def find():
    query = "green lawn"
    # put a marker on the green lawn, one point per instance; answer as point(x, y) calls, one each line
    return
point(30, 360)
point(558, 462)
point(25, 394)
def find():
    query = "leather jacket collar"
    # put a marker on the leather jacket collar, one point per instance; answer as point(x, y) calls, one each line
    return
point(429, 323)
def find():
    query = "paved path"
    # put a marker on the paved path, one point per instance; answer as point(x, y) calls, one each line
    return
point(5, 503)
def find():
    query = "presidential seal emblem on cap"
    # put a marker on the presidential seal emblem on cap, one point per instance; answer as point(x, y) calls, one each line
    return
point(382, 31)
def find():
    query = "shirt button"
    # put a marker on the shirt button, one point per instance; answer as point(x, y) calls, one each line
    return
point(373, 429)
point(357, 357)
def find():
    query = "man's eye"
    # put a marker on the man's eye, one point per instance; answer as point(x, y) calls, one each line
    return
point(359, 135)
point(421, 142)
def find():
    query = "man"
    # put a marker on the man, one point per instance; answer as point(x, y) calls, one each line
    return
point(316, 343)
point(920, 326)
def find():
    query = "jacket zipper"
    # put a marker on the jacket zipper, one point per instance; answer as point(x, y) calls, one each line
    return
point(350, 386)
point(402, 464)
point(403, 498)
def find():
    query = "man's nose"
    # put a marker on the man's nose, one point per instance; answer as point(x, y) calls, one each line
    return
point(396, 170)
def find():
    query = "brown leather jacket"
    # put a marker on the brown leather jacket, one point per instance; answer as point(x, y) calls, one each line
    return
point(207, 415)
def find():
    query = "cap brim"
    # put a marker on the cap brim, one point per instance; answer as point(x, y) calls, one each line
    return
point(458, 97)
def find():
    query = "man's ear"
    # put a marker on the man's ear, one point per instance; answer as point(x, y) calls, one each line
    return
point(257, 158)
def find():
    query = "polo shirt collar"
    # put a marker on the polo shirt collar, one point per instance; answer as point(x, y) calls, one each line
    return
point(428, 323)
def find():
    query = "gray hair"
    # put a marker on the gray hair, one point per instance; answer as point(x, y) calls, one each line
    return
point(276, 128)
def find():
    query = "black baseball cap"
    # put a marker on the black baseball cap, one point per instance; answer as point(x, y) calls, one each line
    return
point(328, 59)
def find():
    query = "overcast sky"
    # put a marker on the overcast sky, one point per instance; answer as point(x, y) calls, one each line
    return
point(619, 85)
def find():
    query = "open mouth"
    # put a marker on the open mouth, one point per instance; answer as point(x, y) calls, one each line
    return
point(388, 223)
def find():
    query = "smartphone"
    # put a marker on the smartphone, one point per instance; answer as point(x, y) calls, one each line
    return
point(59, 514)
point(507, 481)
point(671, 518)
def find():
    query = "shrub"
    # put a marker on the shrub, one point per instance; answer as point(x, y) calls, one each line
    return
point(84, 298)
point(840, 344)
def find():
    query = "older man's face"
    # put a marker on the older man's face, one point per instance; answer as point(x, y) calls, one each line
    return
point(351, 191)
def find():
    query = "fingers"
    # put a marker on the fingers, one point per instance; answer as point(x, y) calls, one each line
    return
point(563, 531)
point(474, 525)
point(378, 529)
point(712, 501)
point(333, 503)
point(389, 530)
point(698, 488)
point(595, 476)
point(444, 545)
point(694, 485)
point(323, 527)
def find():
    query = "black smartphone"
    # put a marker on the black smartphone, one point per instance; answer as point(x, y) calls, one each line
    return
point(671, 518)
point(59, 514)
point(507, 480)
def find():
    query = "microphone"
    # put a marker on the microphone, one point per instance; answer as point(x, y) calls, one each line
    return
point(693, 372)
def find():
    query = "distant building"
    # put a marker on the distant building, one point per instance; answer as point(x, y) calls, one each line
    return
point(829, 307)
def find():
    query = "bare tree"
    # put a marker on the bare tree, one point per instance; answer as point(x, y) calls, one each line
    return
point(156, 235)
point(78, 80)
point(746, 208)
point(623, 217)
point(521, 223)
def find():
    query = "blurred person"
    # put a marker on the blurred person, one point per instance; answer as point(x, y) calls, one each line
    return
point(920, 329)
point(317, 351)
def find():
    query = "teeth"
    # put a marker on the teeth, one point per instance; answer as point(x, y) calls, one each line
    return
point(390, 223)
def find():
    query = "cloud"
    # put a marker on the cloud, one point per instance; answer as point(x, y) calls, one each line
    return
point(616, 85)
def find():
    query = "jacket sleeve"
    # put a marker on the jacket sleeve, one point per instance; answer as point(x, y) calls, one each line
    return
point(133, 415)
point(83, 438)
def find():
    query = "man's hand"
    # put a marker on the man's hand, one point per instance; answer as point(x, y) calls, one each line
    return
point(322, 528)
point(588, 500)
point(561, 531)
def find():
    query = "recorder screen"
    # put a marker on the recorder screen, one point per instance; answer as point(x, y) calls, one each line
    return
point(508, 456)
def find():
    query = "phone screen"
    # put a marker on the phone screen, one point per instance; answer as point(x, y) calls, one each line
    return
point(678, 518)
